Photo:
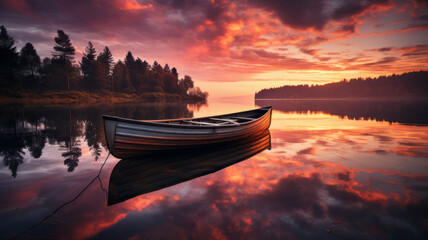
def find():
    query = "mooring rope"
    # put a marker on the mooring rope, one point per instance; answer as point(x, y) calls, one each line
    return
point(65, 204)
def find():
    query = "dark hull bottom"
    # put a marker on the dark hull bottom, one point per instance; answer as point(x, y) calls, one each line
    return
point(129, 149)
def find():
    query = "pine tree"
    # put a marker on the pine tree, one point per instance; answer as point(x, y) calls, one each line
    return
point(174, 72)
point(130, 65)
point(104, 66)
point(88, 67)
point(166, 68)
point(90, 52)
point(157, 83)
point(8, 58)
point(64, 51)
point(29, 59)
point(108, 60)
point(121, 80)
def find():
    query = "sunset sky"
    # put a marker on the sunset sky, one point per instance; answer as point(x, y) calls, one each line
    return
point(235, 48)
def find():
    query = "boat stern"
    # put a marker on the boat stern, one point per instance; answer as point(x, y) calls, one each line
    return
point(110, 131)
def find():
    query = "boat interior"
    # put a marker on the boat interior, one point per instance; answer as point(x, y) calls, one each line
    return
point(235, 119)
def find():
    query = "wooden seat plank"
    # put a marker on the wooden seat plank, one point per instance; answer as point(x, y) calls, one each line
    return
point(231, 121)
point(244, 118)
point(223, 119)
point(202, 123)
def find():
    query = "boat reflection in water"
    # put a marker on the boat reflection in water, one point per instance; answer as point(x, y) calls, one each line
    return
point(157, 170)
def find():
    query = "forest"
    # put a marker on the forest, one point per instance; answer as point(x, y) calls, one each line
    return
point(95, 72)
point(406, 85)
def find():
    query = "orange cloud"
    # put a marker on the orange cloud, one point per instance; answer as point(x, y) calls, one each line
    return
point(132, 5)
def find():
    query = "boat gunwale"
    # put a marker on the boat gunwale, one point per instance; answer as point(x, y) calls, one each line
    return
point(162, 123)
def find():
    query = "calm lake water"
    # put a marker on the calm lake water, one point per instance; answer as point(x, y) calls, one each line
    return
point(326, 170)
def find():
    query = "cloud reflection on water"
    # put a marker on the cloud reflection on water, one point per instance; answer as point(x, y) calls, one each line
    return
point(324, 176)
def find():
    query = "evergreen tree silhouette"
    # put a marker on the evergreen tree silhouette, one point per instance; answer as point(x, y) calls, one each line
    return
point(88, 67)
point(157, 83)
point(142, 76)
point(174, 72)
point(121, 78)
point(130, 65)
point(8, 59)
point(103, 68)
point(64, 51)
point(166, 68)
point(30, 60)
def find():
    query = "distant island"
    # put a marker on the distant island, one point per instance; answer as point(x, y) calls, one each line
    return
point(24, 77)
point(406, 85)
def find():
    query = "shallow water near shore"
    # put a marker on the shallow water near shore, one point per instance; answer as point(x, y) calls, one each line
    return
point(334, 170)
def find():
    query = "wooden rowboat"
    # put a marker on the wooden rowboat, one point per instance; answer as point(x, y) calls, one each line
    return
point(128, 137)
point(153, 171)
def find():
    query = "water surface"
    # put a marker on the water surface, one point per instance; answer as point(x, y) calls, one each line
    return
point(335, 170)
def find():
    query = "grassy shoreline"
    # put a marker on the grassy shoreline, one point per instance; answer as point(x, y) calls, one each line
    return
point(60, 96)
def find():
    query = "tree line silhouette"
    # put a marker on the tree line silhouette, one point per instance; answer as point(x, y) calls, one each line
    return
point(24, 70)
point(410, 84)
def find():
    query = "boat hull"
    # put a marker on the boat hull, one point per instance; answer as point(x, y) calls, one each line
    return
point(127, 138)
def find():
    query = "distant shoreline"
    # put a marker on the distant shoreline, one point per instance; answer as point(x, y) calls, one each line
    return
point(61, 96)
point(410, 85)
point(347, 99)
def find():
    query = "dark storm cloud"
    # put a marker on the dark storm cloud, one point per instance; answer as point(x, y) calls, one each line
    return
point(297, 14)
point(316, 13)
point(354, 7)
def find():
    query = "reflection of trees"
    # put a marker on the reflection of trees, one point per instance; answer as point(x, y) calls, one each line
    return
point(197, 106)
point(72, 146)
point(91, 136)
point(72, 154)
point(12, 143)
point(402, 111)
point(36, 148)
point(12, 153)
point(33, 127)
point(35, 142)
